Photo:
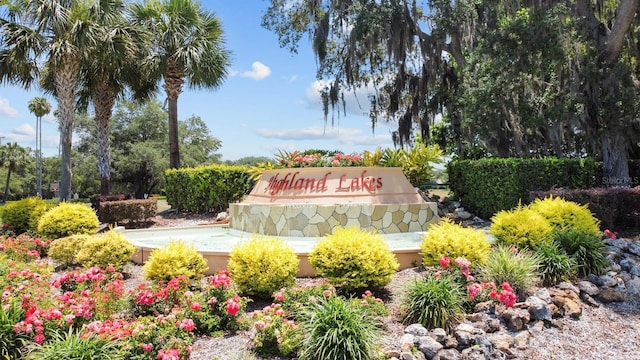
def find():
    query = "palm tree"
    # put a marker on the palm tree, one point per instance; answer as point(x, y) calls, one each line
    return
point(40, 107)
point(111, 66)
point(13, 157)
point(188, 46)
point(54, 34)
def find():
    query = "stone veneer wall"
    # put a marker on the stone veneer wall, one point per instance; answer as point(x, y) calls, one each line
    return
point(318, 220)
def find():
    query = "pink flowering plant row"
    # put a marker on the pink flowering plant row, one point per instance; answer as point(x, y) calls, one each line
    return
point(459, 269)
point(297, 159)
point(152, 321)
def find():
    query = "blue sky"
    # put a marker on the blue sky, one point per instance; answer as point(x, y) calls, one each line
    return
point(268, 102)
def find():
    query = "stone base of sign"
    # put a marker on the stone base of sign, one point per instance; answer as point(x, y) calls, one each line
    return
point(319, 220)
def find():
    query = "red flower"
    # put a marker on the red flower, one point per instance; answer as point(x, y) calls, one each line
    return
point(232, 307)
point(445, 261)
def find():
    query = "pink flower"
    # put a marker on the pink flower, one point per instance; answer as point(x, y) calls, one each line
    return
point(147, 347)
point(195, 306)
point(507, 297)
point(39, 338)
point(610, 234)
point(279, 295)
point(186, 324)
point(474, 290)
point(260, 325)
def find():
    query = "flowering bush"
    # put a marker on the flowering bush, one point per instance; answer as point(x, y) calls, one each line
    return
point(24, 247)
point(318, 159)
point(478, 291)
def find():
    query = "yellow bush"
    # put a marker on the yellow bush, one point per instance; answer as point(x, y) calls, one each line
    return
point(521, 227)
point(262, 265)
point(566, 215)
point(18, 213)
point(353, 258)
point(452, 240)
point(37, 213)
point(173, 260)
point(65, 250)
point(106, 249)
point(68, 219)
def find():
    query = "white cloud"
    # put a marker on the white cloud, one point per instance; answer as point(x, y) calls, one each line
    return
point(341, 136)
point(50, 118)
point(258, 71)
point(357, 103)
point(24, 130)
point(7, 110)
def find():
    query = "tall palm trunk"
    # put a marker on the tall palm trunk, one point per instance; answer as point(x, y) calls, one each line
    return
point(6, 186)
point(65, 82)
point(104, 102)
point(173, 87)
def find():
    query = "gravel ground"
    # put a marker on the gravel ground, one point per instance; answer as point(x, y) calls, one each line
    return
point(604, 332)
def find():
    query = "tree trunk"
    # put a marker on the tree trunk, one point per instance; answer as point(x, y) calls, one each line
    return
point(65, 82)
point(6, 187)
point(103, 102)
point(615, 160)
point(174, 78)
point(174, 143)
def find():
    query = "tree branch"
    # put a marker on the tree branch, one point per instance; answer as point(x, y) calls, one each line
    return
point(625, 14)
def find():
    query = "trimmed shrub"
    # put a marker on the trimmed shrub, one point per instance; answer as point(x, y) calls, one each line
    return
point(262, 265)
point(131, 211)
point(588, 251)
point(68, 219)
point(18, 213)
point(452, 240)
point(353, 258)
point(520, 268)
point(555, 264)
point(37, 213)
point(521, 227)
point(433, 302)
point(173, 260)
point(65, 250)
point(337, 328)
point(106, 249)
point(566, 215)
point(489, 185)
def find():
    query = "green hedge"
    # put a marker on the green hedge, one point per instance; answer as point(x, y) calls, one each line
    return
point(487, 186)
point(206, 188)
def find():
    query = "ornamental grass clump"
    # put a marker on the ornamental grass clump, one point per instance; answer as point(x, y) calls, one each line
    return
point(262, 265)
point(338, 328)
point(519, 268)
point(555, 264)
point(74, 345)
point(521, 227)
point(433, 301)
point(452, 240)
point(353, 258)
point(588, 251)
point(173, 260)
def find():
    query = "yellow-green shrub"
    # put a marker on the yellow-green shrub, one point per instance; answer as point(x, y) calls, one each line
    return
point(106, 249)
point(521, 227)
point(68, 219)
point(18, 213)
point(37, 213)
point(353, 258)
point(65, 250)
point(449, 239)
point(262, 265)
point(174, 259)
point(566, 215)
